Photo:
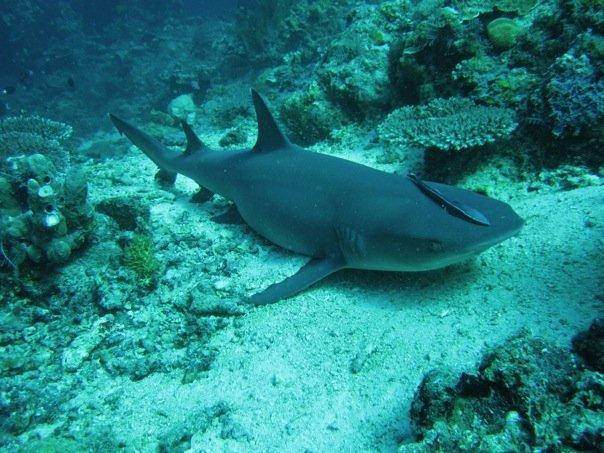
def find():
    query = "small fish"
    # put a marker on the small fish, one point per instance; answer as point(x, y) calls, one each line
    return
point(71, 83)
point(26, 75)
point(8, 90)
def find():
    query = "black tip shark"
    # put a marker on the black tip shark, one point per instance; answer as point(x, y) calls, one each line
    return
point(339, 213)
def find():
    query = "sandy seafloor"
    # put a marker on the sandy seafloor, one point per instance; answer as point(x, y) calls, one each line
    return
point(284, 371)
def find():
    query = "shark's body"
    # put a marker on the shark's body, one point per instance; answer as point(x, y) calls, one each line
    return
point(339, 213)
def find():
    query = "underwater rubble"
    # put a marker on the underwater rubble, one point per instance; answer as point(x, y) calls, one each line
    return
point(526, 395)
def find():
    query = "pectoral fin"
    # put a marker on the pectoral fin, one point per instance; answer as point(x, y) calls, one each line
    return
point(165, 178)
point(229, 217)
point(201, 196)
point(311, 272)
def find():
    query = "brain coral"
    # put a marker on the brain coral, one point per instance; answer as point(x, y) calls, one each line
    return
point(503, 32)
point(453, 123)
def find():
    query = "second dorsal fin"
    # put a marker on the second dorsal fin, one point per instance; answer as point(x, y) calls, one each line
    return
point(270, 136)
point(194, 144)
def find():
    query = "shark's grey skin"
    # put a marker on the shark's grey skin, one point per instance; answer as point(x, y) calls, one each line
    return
point(339, 213)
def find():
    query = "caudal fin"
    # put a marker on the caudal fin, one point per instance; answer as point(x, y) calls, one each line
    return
point(152, 148)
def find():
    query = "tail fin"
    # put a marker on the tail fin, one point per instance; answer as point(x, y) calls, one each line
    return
point(151, 147)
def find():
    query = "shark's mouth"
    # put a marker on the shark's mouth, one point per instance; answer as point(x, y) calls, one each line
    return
point(482, 246)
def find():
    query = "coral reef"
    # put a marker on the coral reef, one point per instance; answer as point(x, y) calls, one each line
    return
point(590, 345)
point(492, 82)
point(183, 108)
point(129, 212)
point(454, 123)
point(433, 38)
point(575, 95)
point(234, 137)
point(25, 135)
point(567, 177)
point(527, 395)
point(44, 216)
point(309, 116)
point(473, 8)
point(354, 71)
point(266, 30)
point(441, 74)
point(503, 32)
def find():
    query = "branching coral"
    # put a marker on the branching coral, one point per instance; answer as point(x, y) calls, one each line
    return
point(453, 123)
point(43, 127)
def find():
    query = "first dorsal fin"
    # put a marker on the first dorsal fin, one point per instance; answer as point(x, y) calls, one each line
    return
point(270, 136)
point(194, 144)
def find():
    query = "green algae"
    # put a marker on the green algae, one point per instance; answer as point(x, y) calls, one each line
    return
point(139, 256)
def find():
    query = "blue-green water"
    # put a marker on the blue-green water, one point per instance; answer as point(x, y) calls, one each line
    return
point(124, 321)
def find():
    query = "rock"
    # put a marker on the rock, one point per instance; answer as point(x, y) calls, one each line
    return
point(590, 345)
point(83, 345)
point(183, 107)
point(528, 395)
point(204, 302)
point(130, 212)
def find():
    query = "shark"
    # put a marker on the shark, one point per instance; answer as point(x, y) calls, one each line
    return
point(339, 213)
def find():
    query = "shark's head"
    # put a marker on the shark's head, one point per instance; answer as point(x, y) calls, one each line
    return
point(422, 234)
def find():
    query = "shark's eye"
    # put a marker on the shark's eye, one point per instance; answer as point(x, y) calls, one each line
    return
point(436, 246)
